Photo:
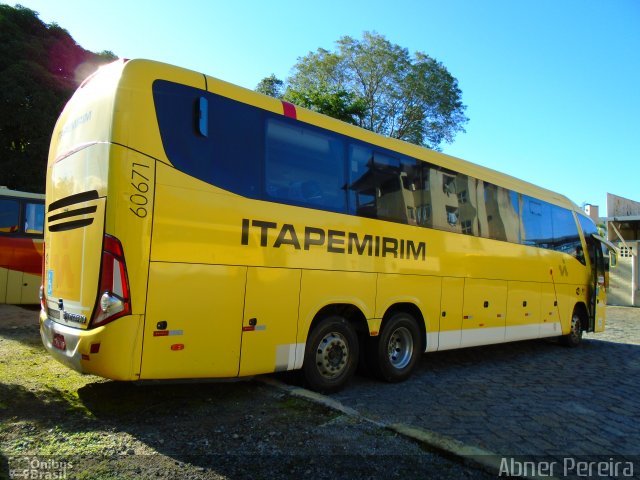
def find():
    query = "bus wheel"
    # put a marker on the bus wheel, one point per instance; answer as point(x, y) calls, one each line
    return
point(574, 337)
point(331, 355)
point(393, 355)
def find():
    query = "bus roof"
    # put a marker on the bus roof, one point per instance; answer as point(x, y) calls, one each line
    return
point(6, 192)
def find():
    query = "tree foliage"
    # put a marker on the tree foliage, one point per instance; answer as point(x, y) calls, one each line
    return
point(379, 86)
point(40, 67)
point(271, 86)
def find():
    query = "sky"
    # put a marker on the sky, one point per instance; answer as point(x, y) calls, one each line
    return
point(552, 87)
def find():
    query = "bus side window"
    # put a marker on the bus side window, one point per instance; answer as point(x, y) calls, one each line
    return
point(536, 223)
point(34, 219)
point(304, 166)
point(9, 215)
point(500, 213)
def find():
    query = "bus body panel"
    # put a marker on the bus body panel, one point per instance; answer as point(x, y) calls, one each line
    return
point(523, 310)
point(77, 189)
point(130, 216)
point(321, 288)
point(270, 321)
point(550, 318)
point(20, 270)
point(72, 264)
point(451, 308)
point(19, 287)
point(86, 119)
point(421, 291)
point(485, 308)
point(193, 323)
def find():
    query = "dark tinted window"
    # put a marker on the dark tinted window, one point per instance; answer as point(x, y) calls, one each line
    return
point(501, 219)
point(536, 223)
point(9, 215)
point(588, 227)
point(258, 154)
point(229, 156)
point(565, 232)
point(385, 186)
point(304, 166)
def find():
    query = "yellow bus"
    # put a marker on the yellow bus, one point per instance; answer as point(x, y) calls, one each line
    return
point(21, 233)
point(196, 229)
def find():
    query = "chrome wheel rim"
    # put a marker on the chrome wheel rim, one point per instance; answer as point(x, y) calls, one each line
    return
point(400, 348)
point(332, 355)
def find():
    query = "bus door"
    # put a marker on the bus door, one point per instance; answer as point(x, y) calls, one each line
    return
point(599, 284)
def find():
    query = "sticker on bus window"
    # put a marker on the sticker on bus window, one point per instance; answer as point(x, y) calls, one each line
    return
point(49, 282)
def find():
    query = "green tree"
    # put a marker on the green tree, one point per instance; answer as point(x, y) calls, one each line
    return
point(329, 100)
point(271, 86)
point(379, 86)
point(40, 67)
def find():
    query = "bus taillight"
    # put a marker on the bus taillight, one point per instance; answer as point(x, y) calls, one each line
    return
point(113, 296)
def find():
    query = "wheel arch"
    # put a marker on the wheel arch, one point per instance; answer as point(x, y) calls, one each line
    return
point(581, 309)
point(349, 312)
point(413, 310)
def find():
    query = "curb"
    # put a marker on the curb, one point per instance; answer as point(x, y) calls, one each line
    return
point(488, 461)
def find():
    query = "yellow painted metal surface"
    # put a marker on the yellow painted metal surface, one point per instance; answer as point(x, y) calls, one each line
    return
point(319, 288)
point(523, 310)
point(421, 291)
point(222, 285)
point(201, 307)
point(269, 326)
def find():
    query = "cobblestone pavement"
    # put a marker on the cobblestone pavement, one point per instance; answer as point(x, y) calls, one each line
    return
point(528, 398)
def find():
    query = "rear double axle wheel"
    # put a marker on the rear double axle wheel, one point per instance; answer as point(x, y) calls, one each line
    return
point(393, 354)
point(331, 355)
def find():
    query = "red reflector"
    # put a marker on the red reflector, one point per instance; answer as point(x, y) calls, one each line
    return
point(85, 356)
point(249, 328)
point(161, 333)
point(177, 346)
point(289, 110)
point(58, 342)
point(95, 348)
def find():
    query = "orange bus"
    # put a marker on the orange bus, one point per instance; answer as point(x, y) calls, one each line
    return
point(21, 237)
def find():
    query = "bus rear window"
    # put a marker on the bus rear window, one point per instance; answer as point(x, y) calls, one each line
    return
point(230, 154)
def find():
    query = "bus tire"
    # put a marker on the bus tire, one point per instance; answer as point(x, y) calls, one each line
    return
point(393, 355)
point(331, 355)
point(574, 337)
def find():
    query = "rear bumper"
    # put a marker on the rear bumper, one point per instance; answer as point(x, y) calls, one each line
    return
point(110, 351)
point(74, 340)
